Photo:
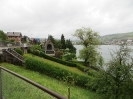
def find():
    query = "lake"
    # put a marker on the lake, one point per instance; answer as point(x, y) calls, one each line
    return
point(103, 49)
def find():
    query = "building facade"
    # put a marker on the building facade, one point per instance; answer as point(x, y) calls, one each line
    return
point(16, 36)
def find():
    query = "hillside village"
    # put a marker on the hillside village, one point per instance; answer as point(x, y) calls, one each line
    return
point(116, 39)
point(118, 42)
point(113, 39)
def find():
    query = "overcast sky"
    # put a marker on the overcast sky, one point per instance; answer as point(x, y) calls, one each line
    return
point(38, 18)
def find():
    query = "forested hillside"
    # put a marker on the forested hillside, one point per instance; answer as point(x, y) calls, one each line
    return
point(117, 37)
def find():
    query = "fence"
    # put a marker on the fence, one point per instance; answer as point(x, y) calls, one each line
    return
point(15, 86)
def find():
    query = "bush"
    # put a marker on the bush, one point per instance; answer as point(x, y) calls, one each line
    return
point(56, 72)
point(29, 50)
point(18, 50)
point(58, 54)
point(42, 54)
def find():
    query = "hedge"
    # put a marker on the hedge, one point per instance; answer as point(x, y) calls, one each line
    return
point(42, 54)
point(56, 72)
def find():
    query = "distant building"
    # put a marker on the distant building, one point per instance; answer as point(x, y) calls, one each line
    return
point(49, 47)
point(25, 39)
point(16, 36)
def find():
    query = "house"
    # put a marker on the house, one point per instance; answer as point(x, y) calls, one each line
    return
point(16, 36)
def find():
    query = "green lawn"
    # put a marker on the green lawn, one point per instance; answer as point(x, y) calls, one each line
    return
point(51, 83)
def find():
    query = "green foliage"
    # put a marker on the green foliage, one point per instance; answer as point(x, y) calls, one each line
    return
point(116, 81)
point(35, 47)
point(51, 83)
point(70, 64)
point(87, 36)
point(69, 45)
point(18, 50)
point(69, 56)
point(3, 36)
point(58, 54)
point(12, 40)
point(58, 44)
point(42, 54)
point(91, 56)
point(51, 38)
point(81, 67)
point(63, 42)
point(56, 72)
point(0, 58)
point(90, 41)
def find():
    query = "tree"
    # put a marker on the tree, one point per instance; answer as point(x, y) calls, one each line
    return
point(116, 81)
point(90, 41)
point(69, 45)
point(87, 36)
point(63, 42)
point(51, 38)
point(58, 44)
point(90, 55)
point(3, 36)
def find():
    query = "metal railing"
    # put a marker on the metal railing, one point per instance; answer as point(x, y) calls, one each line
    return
point(40, 87)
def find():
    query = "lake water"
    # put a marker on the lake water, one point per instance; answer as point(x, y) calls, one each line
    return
point(103, 49)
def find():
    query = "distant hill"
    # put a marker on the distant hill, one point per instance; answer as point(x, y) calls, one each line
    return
point(117, 37)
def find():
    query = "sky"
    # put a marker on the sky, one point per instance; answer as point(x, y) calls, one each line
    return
point(40, 18)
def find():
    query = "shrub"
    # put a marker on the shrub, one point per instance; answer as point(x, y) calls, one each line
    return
point(56, 72)
point(42, 54)
point(75, 64)
point(58, 54)
point(29, 50)
point(81, 67)
point(18, 50)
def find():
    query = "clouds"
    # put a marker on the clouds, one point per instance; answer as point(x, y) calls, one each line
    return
point(42, 17)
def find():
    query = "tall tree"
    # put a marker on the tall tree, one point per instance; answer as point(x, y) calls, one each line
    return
point(51, 39)
point(58, 44)
point(116, 81)
point(3, 36)
point(63, 42)
point(69, 45)
point(90, 41)
point(87, 36)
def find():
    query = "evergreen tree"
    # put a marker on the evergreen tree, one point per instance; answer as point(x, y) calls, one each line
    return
point(63, 42)
point(51, 38)
point(69, 45)
point(58, 44)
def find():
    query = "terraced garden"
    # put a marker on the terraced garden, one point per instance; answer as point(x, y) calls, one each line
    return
point(53, 84)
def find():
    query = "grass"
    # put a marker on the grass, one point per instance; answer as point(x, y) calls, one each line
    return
point(15, 88)
point(53, 84)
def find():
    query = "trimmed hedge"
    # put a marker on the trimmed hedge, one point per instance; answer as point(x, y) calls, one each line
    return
point(56, 72)
point(18, 50)
point(42, 54)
